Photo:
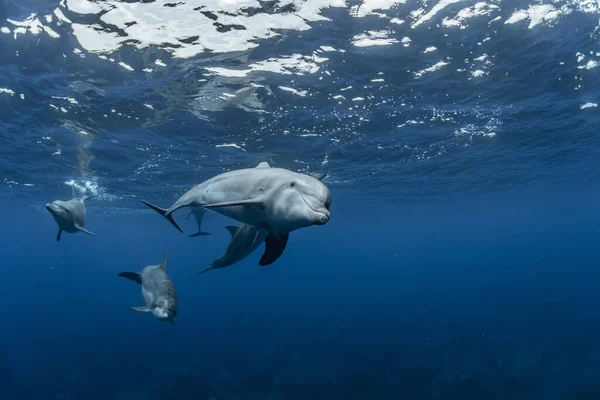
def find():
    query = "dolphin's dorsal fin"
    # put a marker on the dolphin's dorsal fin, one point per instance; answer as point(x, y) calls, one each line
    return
point(263, 164)
point(319, 176)
point(232, 229)
point(73, 194)
point(163, 264)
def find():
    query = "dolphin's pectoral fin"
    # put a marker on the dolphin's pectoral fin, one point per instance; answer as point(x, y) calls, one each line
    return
point(163, 212)
point(58, 236)
point(258, 202)
point(140, 309)
point(133, 276)
point(274, 247)
point(263, 164)
point(172, 322)
point(86, 198)
point(199, 233)
point(232, 229)
point(207, 269)
point(82, 229)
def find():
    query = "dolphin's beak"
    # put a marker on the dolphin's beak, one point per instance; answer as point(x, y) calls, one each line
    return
point(53, 208)
point(323, 218)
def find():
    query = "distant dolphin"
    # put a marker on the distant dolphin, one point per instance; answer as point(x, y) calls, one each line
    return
point(244, 240)
point(276, 199)
point(69, 215)
point(159, 292)
point(198, 213)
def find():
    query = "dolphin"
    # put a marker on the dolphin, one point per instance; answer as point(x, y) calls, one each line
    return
point(244, 240)
point(198, 213)
point(70, 215)
point(158, 291)
point(276, 199)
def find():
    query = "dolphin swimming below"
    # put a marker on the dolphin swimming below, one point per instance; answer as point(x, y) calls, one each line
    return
point(275, 199)
point(158, 291)
point(198, 213)
point(70, 215)
point(244, 240)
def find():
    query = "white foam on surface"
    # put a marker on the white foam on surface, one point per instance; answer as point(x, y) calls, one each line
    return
point(536, 14)
point(433, 68)
point(301, 93)
point(479, 9)
point(293, 64)
point(368, 6)
point(187, 30)
point(434, 10)
point(230, 145)
point(373, 38)
point(127, 67)
point(589, 65)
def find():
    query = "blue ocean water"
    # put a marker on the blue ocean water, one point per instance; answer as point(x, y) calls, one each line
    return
point(461, 146)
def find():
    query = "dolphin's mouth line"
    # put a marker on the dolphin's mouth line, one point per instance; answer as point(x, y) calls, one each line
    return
point(308, 205)
point(56, 207)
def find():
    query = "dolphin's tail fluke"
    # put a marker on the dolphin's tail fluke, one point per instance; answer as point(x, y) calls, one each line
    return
point(199, 233)
point(163, 212)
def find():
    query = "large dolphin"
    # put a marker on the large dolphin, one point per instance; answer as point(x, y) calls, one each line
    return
point(70, 215)
point(158, 291)
point(244, 240)
point(276, 199)
point(199, 212)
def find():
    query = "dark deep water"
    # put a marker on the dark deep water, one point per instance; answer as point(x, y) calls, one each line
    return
point(492, 297)
point(462, 149)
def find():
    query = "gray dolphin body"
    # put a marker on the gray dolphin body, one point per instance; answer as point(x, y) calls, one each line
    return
point(70, 215)
point(275, 199)
point(244, 240)
point(158, 291)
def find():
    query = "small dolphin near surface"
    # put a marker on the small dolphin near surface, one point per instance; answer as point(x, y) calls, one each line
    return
point(70, 215)
point(244, 240)
point(275, 199)
point(158, 291)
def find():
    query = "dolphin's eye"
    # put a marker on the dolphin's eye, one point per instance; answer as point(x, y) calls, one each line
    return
point(292, 184)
